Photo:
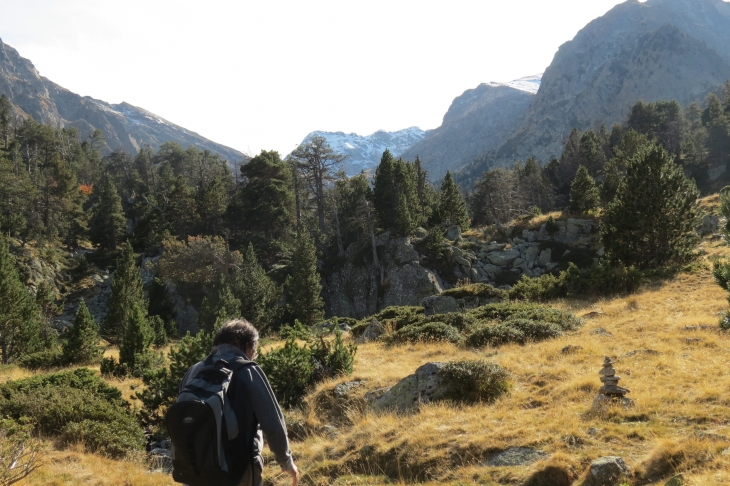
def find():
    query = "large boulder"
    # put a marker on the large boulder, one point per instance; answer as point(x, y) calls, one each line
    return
point(709, 225)
point(423, 386)
point(402, 251)
point(516, 456)
point(409, 285)
point(440, 304)
point(606, 471)
point(374, 330)
point(503, 258)
point(453, 233)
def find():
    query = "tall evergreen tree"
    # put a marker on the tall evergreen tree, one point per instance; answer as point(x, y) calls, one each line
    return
point(584, 195)
point(22, 328)
point(138, 337)
point(219, 306)
point(107, 225)
point(127, 292)
point(652, 220)
point(82, 344)
point(263, 210)
point(303, 285)
point(162, 304)
point(395, 180)
point(452, 208)
point(257, 293)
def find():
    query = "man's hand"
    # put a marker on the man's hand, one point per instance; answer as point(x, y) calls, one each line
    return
point(294, 473)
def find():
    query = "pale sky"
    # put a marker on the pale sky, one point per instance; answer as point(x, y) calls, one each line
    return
point(262, 75)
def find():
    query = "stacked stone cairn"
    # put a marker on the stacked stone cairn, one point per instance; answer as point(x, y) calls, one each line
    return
point(610, 393)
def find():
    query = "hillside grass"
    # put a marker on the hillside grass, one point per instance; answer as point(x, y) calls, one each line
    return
point(680, 393)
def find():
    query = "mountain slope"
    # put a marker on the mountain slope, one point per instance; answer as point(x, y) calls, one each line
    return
point(478, 121)
point(657, 50)
point(365, 151)
point(125, 126)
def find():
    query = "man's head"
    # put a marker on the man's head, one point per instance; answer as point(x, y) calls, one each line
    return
point(239, 333)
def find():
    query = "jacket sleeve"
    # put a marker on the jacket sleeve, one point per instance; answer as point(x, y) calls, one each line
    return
point(269, 416)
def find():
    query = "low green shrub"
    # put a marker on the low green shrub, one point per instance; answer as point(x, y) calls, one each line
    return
point(481, 290)
point(535, 330)
point(290, 371)
point(495, 335)
point(601, 280)
point(359, 328)
point(54, 402)
point(42, 360)
point(503, 311)
point(337, 358)
point(539, 289)
point(459, 320)
point(115, 438)
point(426, 332)
point(399, 316)
point(476, 381)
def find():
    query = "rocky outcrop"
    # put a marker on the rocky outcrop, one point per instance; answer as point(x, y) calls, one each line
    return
point(479, 121)
point(423, 386)
point(355, 290)
point(125, 126)
point(606, 471)
point(651, 51)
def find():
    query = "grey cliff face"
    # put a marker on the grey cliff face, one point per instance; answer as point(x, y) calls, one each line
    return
point(477, 122)
point(125, 126)
point(657, 50)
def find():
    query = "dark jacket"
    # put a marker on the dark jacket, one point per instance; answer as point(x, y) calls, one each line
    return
point(256, 410)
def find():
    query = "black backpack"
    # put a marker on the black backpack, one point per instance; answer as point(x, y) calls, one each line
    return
point(201, 421)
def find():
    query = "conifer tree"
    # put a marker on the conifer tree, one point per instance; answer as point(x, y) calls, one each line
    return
point(82, 344)
point(6, 120)
point(303, 285)
point(138, 337)
point(162, 304)
point(219, 306)
point(257, 293)
point(652, 220)
point(452, 208)
point(107, 225)
point(158, 328)
point(21, 324)
point(584, 194)
point(126, 293)
point(395, 180)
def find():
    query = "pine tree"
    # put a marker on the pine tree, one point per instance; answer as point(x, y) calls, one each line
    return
point(107, 225)
point(138, 337)
point(6, 120)
point(652, 220)
point(395, 194)
point(303, 285)
point(162, 304)
point(158, 327)
point(219, 306)
point(82, 344)
point(452, 208)
point(584, 194)
point(126, 293)
point(263, 211)
point(257, 293)
point(21, 325)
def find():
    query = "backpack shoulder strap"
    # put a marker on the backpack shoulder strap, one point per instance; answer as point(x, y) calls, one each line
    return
point(230, 416)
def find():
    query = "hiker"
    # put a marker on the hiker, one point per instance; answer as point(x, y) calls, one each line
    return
point(250, 397)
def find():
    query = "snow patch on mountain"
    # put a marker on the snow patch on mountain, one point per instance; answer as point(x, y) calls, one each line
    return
point(365, 152)
point(531, 84)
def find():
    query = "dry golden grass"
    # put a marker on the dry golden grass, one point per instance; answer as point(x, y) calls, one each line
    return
point(679, 390)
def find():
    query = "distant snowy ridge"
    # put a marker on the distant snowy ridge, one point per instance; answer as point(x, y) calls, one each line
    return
point(531, 84)
point(365, 151)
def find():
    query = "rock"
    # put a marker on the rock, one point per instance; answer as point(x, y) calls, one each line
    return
point(599, 331)
point(453, 233)
point(456, 251)
point(709, 225)
point(409, 285)
point(420, 233)
point(602, 402)
point(424, 386)
point(373, 395)
point(344, 389)
point(382, 239)
point(495, 247)
point(610, 381)
point(592, 315)
point(491, 270)
point(606, 471)
point(516, 456)
point(570, 349)
point(532, 254)
point(650, 352)
point(331, 431)
point(601, 251)
point(440, 305)
point(677, 480)
point(711, 436)
point(518, 262)
point(502, 258)
point(474, 275)
point(545, 257)
point(402, 251)
point(462, 261)
point(592, 431)
point(374, 330)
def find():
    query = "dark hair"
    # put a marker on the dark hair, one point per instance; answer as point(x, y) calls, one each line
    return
point(236, 332)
